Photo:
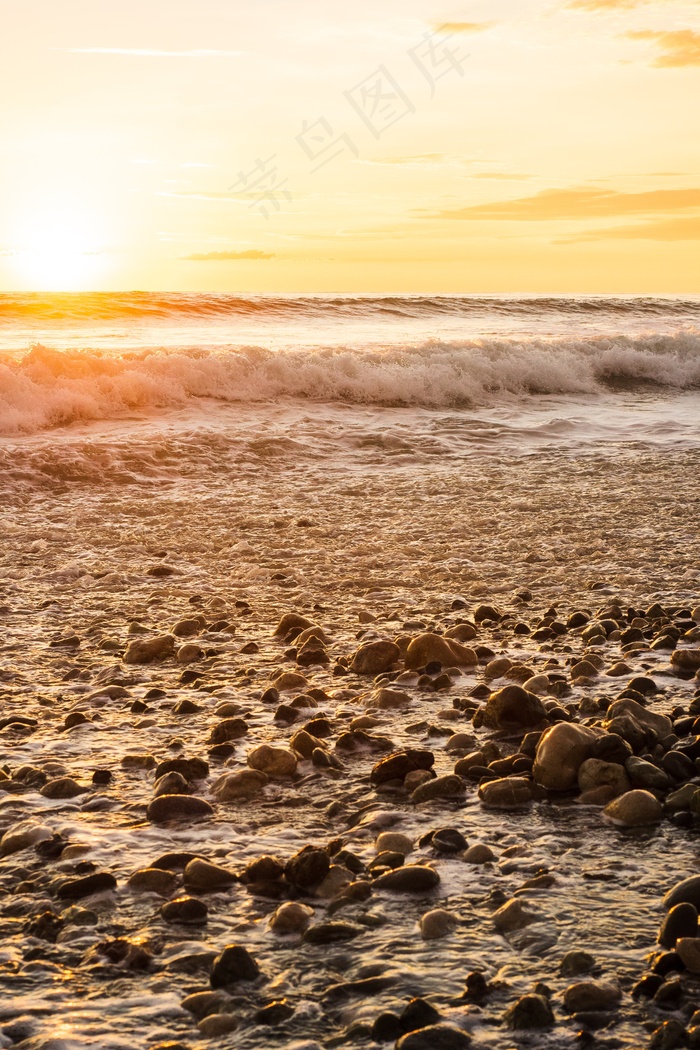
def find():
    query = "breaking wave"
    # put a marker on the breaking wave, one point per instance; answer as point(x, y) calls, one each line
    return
point(45, 388)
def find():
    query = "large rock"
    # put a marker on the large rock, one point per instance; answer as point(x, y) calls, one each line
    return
point(562, 750)
point(681, 921)
point(686, 891)
point(274, 761)
point(241, 785)
point(21, 836)
point(635, 809)
point(375, 657)
point(587, 996)
point(506, 793)
point(178, 807)
point(686, 659)
point(146, 650)
point(292, 622)
point(201, 876)
point(435, 1037)
point(234, 964)
point(411, 878)
point(448, 786)
point(659, 724)
point(514, 705)
point(689, 950)
point(594, 774)
point(399, 764)
point(436, 648)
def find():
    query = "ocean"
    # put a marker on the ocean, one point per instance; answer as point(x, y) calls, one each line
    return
point(131, 380)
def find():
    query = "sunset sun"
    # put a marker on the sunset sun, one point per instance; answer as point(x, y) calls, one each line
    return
point(58, 248)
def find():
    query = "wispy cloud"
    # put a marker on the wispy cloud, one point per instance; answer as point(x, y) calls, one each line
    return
point(148, 52)
point(679, 47)
point(252, 253)
point(500, 175)
point(461, 27)
point(685, 229)
point(580, 203)
point(607, 5)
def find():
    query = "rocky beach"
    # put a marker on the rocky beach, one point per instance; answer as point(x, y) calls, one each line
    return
point(383, 748)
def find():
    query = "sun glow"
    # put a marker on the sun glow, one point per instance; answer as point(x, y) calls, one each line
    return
point(60, 248)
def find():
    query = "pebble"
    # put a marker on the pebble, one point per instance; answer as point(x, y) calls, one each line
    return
point(215, 1025)
point(479, 853)
point(513, 915)
point(587, 996)
point(435, 1037)
point(394, 842)
point(146, 650)
point(201, 876)
point(561, 752)
point(241, 785)
point(375, 657)
point(513, 706)
point(448, 786)
point(291, 917)
point(530, 1011)
point(436, 648)
point(153, 880)
point(187, 910)
point(506, 793)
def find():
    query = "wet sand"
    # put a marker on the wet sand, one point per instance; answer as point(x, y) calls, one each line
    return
point(366, 553)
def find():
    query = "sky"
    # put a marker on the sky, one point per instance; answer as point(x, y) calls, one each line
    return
point(455, 146)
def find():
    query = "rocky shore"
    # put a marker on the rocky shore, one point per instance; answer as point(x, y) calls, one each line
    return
point(340, 761)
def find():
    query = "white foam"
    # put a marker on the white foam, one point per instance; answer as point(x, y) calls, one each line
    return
point(48, 388)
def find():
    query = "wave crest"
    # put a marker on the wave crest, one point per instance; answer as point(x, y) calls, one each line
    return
point(46, 388)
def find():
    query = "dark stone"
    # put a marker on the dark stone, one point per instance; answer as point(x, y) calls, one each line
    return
point(530, 1011)
point(99, 882)
point(435, 1037)
point(412, 878)
point(187, 910)
point(190, 768)
point(307, 867)
point(647, 986)
point(476, 987)
point(234, 964)
point(101, 777)
point(229, 729)
point(681, 921)
point(686, 891)
point(173, 861)
point(513, 705)
point(274, 1013)
point(399, 764)
point(332, 932)
point(386, 1027)
point(667, 962)
point(418, 1013)
point(448, 840)
point(611, 748)
point(46, 926)
point(678, 765)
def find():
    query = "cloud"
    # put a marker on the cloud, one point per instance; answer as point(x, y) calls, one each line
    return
point(679, 48)
point(607, 5)
point(498, 175)
point(686, 229)
point(580, 203)
point(252, 253)
point(147, 52)
point(461, 27)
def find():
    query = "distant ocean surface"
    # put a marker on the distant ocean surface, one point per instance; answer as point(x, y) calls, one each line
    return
point(406, 378)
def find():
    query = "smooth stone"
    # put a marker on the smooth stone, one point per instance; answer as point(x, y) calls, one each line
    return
point(189, 911)
point(411, 878)
point(332, 933)
point(646, 775)
point(216, 1025)
point(200, 875)
point(659, 724)
point(399, 764)
point(292, 622)
point(307, 867)
point(435, 648)
point(274, 761)
point(98, 882)
point(233, 964)
point(178, 807)
point(171, 784)
point(189, 653)
point(228, 729)
point(241, 785)
point(686, 659)
point(513, 705)
point(390, 700)
point(145, 650)
point(394, 842)
point(635, 809)
point(201, 1004)
point(530, 1011)
point(375, 657)
point(62, 787)
point(686, 891)
point(575, 963)
point(591, 996)
point(190, 768)
point(681, 921)
point(461, 742)
point(23, 835)
point(689, 950)
point(506, 793)
point(513, 915)
point(562, 750)
point(435, 1037)
point(153, 880)
point(594, 774)
point(436, 924)
point(448, 786)
point(291, 917)
point(479, 853)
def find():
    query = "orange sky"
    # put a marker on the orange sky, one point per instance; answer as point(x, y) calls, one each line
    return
point(397, 145)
